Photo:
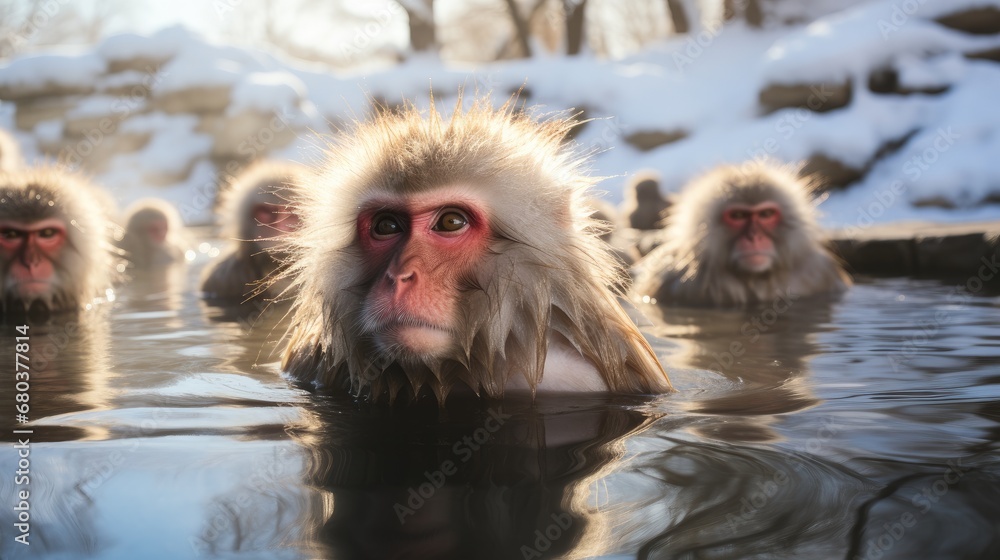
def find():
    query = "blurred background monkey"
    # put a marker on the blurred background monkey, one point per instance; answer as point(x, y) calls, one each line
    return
point(153, 234)
point(54, 240)
point(741, 235)
point(256, 218)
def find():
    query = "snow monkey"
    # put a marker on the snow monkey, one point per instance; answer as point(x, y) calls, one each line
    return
point(152, 234)
point(439, 253)
point(256, 216)
point(741, 235)
point(54, 240)
point(644, 205)
point(10, 153)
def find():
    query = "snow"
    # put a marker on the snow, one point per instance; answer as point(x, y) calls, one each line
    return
point(33, 73)
point(705, 86)
point(174, 146)
point(264, 91)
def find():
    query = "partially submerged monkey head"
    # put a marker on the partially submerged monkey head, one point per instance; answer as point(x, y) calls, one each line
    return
point(440, 252)
point(53, 239)
point(739, 235)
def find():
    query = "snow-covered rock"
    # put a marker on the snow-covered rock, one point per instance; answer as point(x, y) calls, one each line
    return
point(908, 102)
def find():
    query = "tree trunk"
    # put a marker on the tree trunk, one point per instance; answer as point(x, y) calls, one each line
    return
point(679, 16)
point(574, 25)
point(728, 10)
point(754, 14)
point(521, 28)
point(423, 35)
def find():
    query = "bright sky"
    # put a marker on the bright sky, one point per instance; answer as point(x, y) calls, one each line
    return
point(148, 16)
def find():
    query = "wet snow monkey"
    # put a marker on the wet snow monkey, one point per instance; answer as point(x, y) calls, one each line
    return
point(256, 216)
point(457, 253)
point(54, 240)
point(644, 205)
point(152, 234)
point(740, 235)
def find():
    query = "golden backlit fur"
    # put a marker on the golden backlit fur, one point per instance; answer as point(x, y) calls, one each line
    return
point(86, 264)
point(693, 267)
point(254, 252)
point(543, 277)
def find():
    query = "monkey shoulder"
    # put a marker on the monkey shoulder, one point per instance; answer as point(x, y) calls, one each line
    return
point(230, 276)
point(661, 275)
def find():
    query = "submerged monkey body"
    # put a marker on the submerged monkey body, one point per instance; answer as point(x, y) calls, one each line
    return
point(439, 253)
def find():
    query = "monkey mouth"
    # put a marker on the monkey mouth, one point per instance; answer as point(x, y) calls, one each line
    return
point(31, 288)
point(757, 261)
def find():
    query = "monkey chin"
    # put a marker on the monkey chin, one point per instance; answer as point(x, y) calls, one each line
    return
point(33, 289)
point(416, 340)
point(756, 262)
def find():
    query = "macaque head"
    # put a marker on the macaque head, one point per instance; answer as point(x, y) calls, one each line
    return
point(274, 220)
point(737, 235)
point(756, 218)
point(53, 229)
point(256, 207)
point(152, 222)
point(153, 234)
point(435, 252)
point(31, 250)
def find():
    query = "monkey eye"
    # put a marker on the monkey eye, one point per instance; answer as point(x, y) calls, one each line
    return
point(451, 221)
point(48, 233)
point(386, 225)
point(767, 213)
point(11, 234)
point(737, 215)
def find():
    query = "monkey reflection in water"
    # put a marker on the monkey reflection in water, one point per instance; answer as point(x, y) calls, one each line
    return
point(512, 480)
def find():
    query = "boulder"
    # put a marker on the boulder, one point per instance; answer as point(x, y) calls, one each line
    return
point(819, 98)
point(30, 112)
point(645, 140)
point(198, 100)
point(984, 20)
point(885, 80)
point(247, 135)
point(832, 174)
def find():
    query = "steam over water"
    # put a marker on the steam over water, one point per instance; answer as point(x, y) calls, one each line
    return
point(860, 428)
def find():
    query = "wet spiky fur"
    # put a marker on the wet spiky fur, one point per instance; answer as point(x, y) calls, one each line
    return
point(693, 265)
point(86, 266)
point(545, 273)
